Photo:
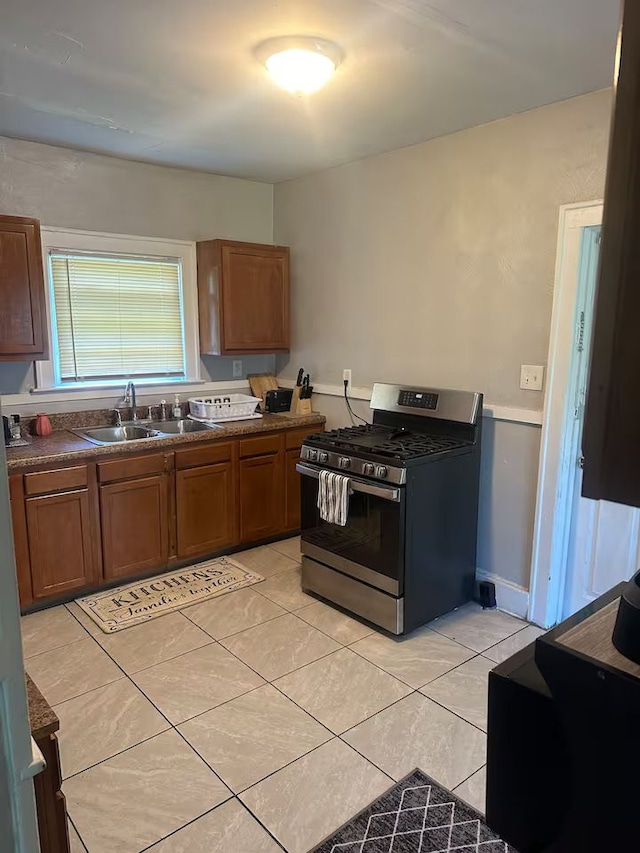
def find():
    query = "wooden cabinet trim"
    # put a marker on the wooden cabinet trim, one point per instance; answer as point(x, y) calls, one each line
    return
point(294, 439)
point(131, 467)
point(20, 539)
point(292, 485)
point(59, 480)
point(260, 446)
point(209, 454)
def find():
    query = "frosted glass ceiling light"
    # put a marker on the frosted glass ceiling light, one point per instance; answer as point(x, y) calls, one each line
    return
point(299, 64)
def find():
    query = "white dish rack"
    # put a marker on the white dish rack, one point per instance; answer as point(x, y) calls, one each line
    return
point(226, 407)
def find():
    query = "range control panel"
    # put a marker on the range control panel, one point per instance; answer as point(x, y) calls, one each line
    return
point(418, 400)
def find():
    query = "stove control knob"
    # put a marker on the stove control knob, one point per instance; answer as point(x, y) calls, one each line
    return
point(344, 462)
point(368, 468)
point(312, 455)
point(381, 471)
point(323, 457)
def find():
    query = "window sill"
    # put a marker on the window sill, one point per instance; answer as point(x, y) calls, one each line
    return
point(116, 385)
point(64, 399)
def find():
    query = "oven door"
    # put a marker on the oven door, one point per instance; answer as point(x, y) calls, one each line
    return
point(371, 545)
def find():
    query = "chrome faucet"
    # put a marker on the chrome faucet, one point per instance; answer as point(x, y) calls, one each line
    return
point(130, 399)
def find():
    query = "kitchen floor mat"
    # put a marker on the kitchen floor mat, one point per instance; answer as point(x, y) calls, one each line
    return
point(416, 815)
point(123, 606)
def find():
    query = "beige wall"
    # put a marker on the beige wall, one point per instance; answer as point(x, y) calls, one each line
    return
point(75, 189)
point(434, 265)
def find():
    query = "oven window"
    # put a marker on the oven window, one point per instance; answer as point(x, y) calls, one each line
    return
point(371, 538)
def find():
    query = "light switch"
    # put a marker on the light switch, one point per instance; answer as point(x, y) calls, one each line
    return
point(531, 377)
point(237, 369)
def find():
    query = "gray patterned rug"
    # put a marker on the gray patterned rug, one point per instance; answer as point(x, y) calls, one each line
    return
point(416, 815)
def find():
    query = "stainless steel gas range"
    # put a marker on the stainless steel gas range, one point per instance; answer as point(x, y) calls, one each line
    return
point(407, 552)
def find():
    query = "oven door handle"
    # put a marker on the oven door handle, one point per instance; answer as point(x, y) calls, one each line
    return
point(385, 492)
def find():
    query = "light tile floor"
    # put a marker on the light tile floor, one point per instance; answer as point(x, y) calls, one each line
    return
point(260, 720)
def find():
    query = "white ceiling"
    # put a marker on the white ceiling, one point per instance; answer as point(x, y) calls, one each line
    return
point(175, 81)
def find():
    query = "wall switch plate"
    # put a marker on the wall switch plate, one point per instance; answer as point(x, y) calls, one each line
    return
point(237, 369)
point(346, 377)
point(531, 377)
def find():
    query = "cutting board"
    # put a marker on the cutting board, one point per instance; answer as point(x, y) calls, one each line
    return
point(260, 383)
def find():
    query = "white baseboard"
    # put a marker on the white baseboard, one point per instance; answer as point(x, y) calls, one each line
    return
point(510, 597)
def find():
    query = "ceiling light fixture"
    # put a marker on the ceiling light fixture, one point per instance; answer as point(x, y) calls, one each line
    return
point(299, 64)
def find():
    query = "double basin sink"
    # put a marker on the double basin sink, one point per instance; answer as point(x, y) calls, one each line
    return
point(142, 432)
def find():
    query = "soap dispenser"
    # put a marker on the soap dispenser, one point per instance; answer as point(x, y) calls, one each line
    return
point(177, 408)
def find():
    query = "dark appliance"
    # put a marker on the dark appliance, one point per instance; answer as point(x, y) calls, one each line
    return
point(7, 430)
point(407, 553)
point(278, 400)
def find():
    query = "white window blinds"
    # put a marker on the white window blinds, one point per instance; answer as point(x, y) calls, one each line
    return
point(117, 317)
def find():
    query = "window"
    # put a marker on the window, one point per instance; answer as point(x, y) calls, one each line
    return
point(119, 308)
point(116, 317)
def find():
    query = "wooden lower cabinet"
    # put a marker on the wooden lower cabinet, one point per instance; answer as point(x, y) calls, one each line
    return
point(206, 509)
point(292, 490)
point(50, 801)
point(89, 524)
point(261, 497)
point(60, 546)
point(135, 525)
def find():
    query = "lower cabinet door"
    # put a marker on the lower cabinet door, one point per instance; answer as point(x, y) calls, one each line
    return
point(59, 530)
point(292, 489)
point(135, 525)
point(206, 509)
point(261, 497)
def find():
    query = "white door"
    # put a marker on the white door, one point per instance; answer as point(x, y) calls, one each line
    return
point(18, 827)
point(603, 543)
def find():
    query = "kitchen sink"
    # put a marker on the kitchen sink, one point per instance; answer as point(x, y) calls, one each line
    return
point(117, 434)
point(182, 426)
point(141, 432)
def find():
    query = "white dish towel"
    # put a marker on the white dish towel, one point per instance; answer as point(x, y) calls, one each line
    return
point(333, 497)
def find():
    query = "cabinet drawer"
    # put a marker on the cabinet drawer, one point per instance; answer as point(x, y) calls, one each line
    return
point(135, 466)
point(60, 480)
point(295, 438)
point(260, 446)
point(210, 454)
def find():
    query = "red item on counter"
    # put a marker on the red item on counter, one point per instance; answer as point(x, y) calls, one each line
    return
point(43, 425)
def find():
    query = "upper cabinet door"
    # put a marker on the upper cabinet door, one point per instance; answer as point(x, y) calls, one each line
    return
point(243, 297)
point(22, 306)
point(610, 443)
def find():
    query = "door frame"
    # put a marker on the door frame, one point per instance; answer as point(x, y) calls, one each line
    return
point(558, 450)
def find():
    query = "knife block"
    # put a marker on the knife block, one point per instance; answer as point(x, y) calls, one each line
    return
point(298, 406)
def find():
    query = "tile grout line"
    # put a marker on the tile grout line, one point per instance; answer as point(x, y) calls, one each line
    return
point(332, 735)
point(150, 848)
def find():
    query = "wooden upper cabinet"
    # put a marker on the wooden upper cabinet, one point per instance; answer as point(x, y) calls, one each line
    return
point(23, 335)
point(243, 297)
point(612, 422)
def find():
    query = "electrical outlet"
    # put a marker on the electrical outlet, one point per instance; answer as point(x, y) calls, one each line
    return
point(531, 377)
point(346, 377)
point(237, 369)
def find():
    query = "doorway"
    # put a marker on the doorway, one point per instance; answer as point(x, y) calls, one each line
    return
point(581, 547)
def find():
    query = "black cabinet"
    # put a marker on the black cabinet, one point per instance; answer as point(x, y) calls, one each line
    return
point(612, 422)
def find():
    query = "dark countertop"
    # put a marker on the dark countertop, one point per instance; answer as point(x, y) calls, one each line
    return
point(65, 446)
point(41, 716)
